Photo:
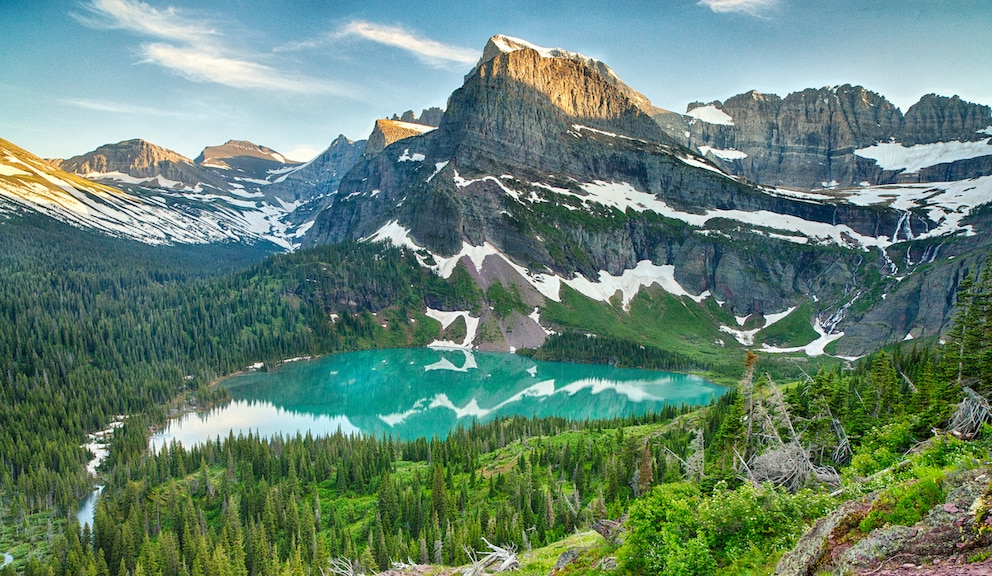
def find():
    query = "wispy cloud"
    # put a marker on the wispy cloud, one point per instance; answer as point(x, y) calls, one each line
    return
point(120, 108)
point(756, 8)
point(138, 17)
point(194, 50)
point(199, 66)
point(430, 52)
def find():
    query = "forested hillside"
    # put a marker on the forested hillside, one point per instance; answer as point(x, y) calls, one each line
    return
point(726, 489)
point(97, 327)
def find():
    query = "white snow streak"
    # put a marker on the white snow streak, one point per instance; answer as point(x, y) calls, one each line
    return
point(911, 159)
point(723, 154)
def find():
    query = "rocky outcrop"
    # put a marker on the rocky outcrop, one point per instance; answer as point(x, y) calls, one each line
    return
point(941, 119)
point(139, 159)
point(944, 540)
point(428, 117)
point(805, 140)
point(322, 175)
point(387, 132)
point(808, 139)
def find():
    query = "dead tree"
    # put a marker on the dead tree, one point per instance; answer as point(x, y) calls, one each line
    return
point(694, 464)
point(341, 567)
point(776, 453)
point(972, 412)
point(503, 558)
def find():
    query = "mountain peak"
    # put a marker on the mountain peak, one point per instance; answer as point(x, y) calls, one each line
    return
point(501, 44)
point(238, 149)
point(387, 131)
point(134, 157)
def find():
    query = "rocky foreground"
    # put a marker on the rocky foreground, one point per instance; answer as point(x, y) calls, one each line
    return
point(951, 536)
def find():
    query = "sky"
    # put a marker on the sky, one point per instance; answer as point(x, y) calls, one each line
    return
point(294, 74)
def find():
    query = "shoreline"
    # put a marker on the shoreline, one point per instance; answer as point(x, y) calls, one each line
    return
point(180, 405)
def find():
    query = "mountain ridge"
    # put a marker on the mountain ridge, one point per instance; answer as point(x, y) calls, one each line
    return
point(531, 138)
point(549, 173)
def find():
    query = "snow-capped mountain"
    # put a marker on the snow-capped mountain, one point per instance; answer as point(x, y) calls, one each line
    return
point(251, 192)
point(840, 137)
point(549, 173)
point(139, 191)
point(828, 209)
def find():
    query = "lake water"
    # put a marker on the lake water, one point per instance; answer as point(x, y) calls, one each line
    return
point(408, 393)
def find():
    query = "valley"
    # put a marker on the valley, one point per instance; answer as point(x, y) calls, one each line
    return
point(516, 269)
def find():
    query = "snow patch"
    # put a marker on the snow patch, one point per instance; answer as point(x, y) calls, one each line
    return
point(407, 157)
point(814, 348)
point(11, 171)
point(910, 159)
point(630, 282)
point(711, 114)
point(729, 155)
point(946, 203)
point(446, 318)
point(536, 317)
point(437, 168)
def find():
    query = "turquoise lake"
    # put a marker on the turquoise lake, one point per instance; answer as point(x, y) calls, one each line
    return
point(408, 393)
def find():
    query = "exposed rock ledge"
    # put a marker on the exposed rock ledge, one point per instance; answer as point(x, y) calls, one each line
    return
point(941, 544)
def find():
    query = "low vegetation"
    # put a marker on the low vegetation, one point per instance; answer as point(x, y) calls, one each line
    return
point(85, 338)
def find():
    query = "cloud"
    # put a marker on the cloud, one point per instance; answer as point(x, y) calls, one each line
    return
point(200, 66)
point(752, 7)
point(143, 19)
point(191, 49)
point(302, 153)
point(120, 108)
point(429, 51)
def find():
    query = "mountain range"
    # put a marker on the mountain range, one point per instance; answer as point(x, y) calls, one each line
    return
point(828, 211)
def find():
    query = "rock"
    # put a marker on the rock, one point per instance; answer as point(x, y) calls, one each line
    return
point(946, 535)
point(941, 119)
point(141, 160)
point(321, 175)
point(566, 558)
point(388, 131)
point(807, 140)
point(812, 548)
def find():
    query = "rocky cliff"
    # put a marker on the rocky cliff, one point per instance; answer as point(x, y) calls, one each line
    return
point(549, 173)
point(322, 175)
point(247, 159)
point(816, 139)
point(138, 160)
point(388, 131)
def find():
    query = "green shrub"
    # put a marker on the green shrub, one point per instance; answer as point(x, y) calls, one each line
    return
point(905, 504)
point(676, 530)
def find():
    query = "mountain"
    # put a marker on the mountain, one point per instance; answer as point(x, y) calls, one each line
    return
point(320, 176)
point(141, 212)
point(140, 162)
point(549, 174)
point(839, 137)
point(245, 161)
point(254, 190)
point(387, 131)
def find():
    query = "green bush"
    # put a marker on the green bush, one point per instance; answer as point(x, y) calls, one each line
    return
point(661, 525)
point(676, 530)
point(905, 504)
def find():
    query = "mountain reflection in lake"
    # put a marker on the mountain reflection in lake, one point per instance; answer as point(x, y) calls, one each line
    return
point(408, 393)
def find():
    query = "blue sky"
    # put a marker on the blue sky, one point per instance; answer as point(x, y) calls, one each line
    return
point(293, 74)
